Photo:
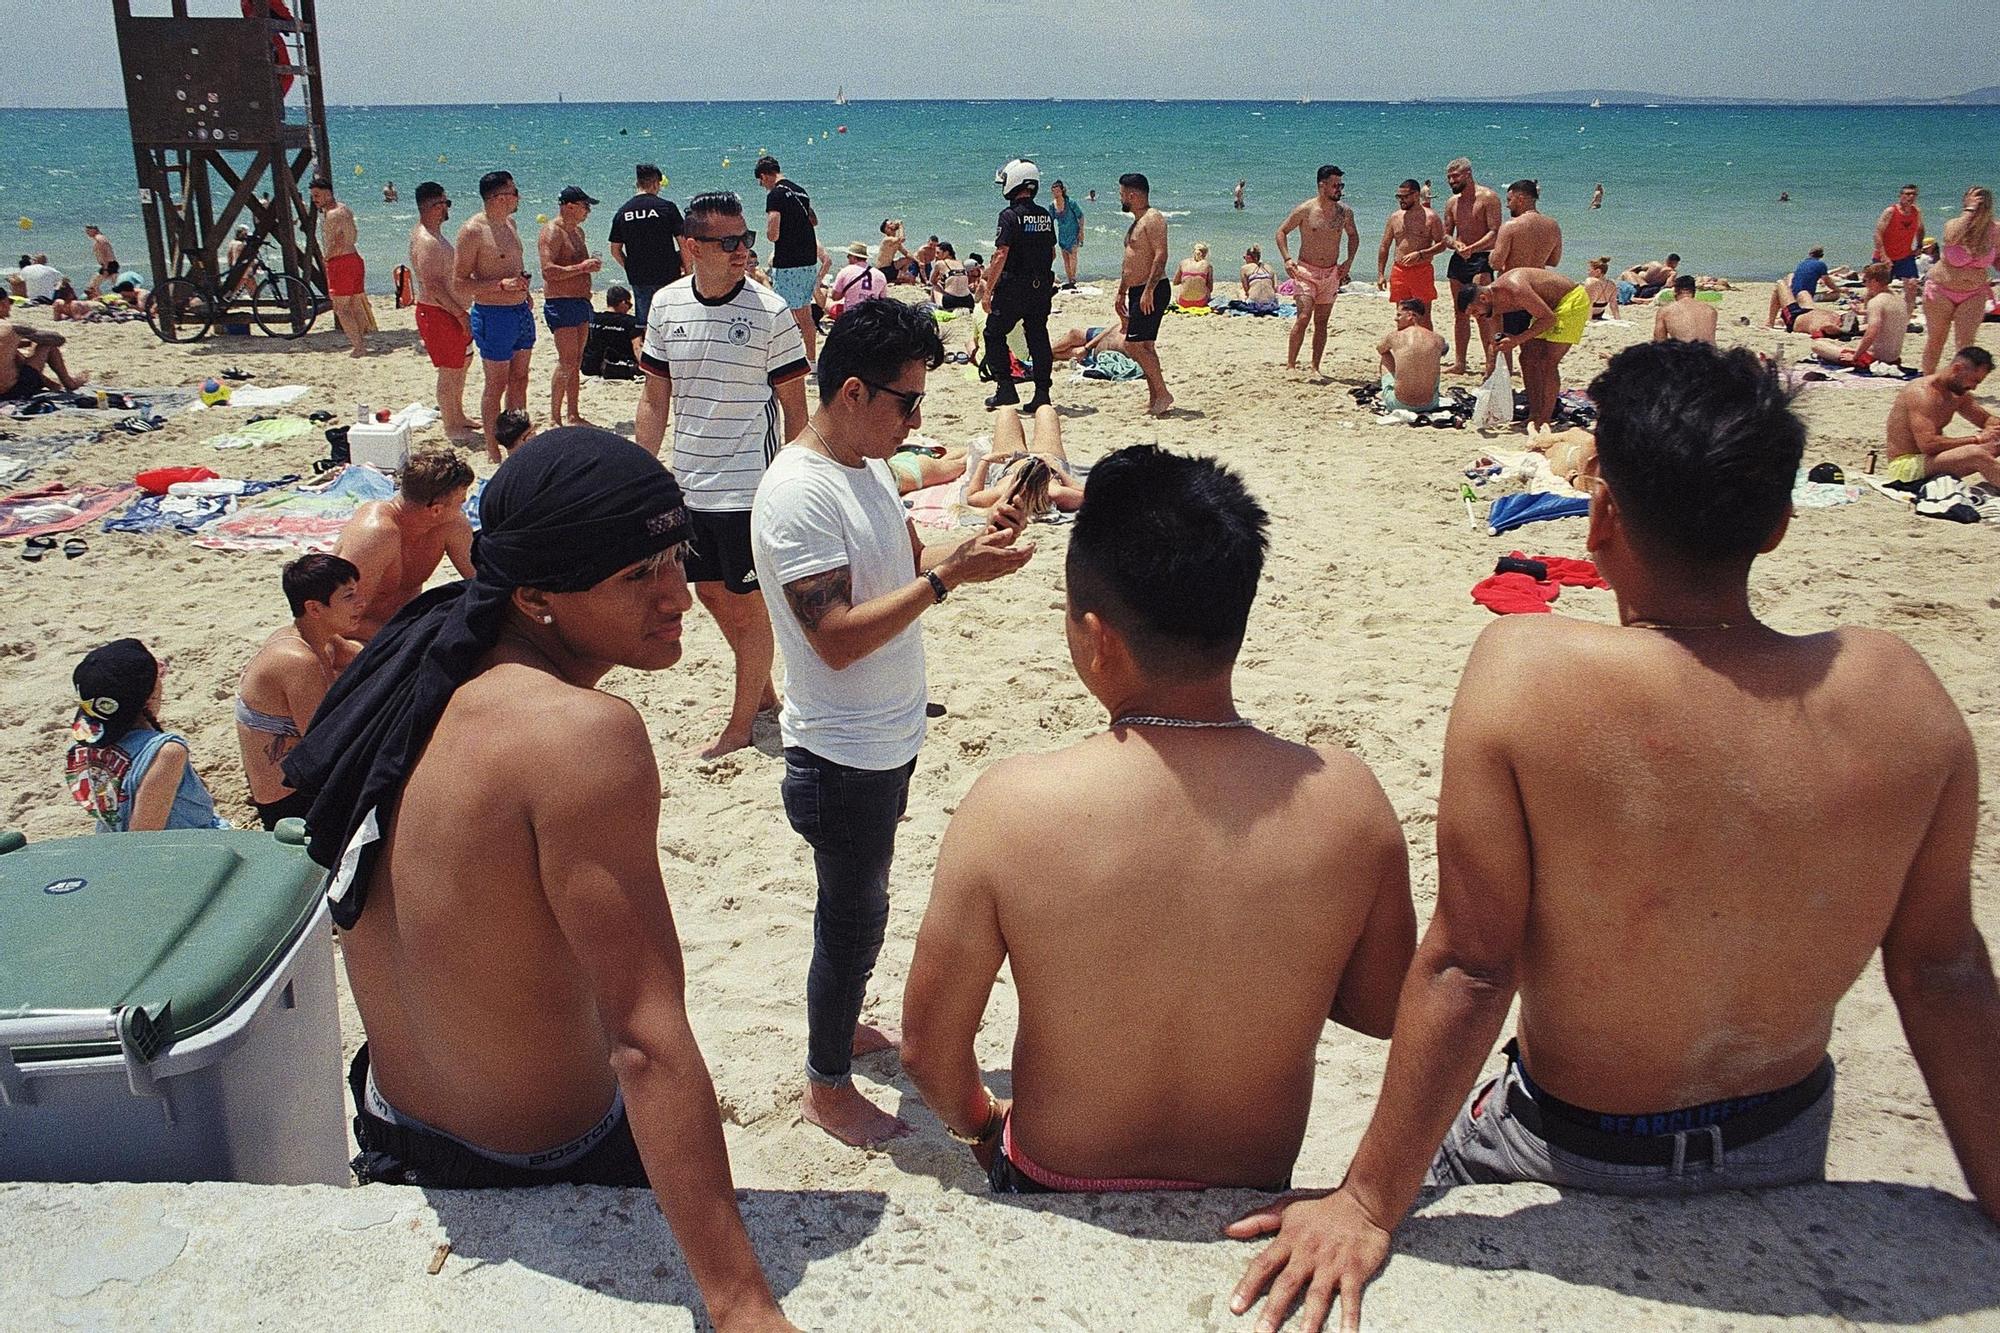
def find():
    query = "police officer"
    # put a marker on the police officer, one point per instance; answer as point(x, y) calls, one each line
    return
point(1019, 283)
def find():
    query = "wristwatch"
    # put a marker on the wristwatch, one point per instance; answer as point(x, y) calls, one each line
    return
point(986, 1131)
point(937, 585)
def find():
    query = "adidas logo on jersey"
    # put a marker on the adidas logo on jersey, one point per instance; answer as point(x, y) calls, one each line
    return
point(679, 331)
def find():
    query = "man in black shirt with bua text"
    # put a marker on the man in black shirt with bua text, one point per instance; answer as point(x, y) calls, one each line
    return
point(1019, 283)
point(646, 240)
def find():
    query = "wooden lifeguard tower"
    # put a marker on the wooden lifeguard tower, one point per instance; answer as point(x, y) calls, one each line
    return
point(228, 114)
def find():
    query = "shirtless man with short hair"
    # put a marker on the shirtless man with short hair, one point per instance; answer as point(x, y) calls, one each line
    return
point(1751, 844)
point(1529, 238)
point(1216, 853)
point(398, 543)
point(1545, 314)
point(1417, 236)
point(26, 352)
point(1472, 229)
point(508, 937)
point(1412, 360)
point(1652, 276)
point(1143, 290)
point(106, 261)
point(1684, 318)
point(282, 685)
point(346, 274)
point(1918, 446)
point(442, 319)
point(1882, 336)
point(491, 276)
point(1319, 272)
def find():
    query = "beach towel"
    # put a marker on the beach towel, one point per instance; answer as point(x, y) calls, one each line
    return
point(1511, 511)
point(1811, 371)
point(1108, 365)
point(186, 512)
point(268, 395)
point(292, 522)
point(261, 434)
point(21, 453)
point(52, 509)
point(1809, 494)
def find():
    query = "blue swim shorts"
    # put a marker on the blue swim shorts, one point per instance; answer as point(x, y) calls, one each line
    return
point(502, 330)
point(795, 285)
point(1906, 267)
point(566, 312)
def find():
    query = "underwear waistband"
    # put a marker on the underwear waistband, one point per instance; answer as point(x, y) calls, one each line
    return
point(547, 1159)
point(1056, 1180)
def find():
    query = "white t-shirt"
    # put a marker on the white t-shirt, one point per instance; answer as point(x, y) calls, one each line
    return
point(41, 281)
point(723, 357)
point(812, 515)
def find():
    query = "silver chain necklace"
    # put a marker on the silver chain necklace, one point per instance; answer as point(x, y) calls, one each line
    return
point(1151, 720)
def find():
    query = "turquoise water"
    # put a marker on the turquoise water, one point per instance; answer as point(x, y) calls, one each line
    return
point(1700, 180)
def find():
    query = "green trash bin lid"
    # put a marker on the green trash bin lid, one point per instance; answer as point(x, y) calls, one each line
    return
point(195, 917)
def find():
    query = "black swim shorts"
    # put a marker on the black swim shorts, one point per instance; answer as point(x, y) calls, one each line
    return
point(720, 550)
point(1141, 327)
point(1464, 268)
point(28, 382)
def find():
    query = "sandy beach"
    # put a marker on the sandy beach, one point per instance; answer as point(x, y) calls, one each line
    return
point(1358, 639)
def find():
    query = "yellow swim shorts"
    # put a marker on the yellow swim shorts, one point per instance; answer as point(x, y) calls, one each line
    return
point(1906, 468)
point(1572, 313)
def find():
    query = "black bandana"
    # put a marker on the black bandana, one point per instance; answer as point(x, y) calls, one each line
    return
point(566, 511)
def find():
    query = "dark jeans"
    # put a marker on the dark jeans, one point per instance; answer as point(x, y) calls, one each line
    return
point(848, 817)
point(1024, 302)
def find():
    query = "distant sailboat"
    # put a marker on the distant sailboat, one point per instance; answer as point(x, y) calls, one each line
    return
point(1305, 99)
point(1596, 102)
point(840, 95)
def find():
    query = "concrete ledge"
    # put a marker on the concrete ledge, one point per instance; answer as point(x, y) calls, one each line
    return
point(223, 1257)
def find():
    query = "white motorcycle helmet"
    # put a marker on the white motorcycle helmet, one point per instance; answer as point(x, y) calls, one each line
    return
point(1015, 174)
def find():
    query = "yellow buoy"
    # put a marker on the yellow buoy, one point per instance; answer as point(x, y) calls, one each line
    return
point(27, 224)
point(542, 218)
point(440, 157)
point(725, 161)
point(666, 180)
point(357, 169)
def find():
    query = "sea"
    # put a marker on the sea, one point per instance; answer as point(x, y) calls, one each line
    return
point(1705, 181)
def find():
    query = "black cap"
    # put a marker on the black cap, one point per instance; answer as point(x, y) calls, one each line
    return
point(113, 684)
point(573, 194)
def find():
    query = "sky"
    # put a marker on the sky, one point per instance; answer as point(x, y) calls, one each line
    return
point(430, 51)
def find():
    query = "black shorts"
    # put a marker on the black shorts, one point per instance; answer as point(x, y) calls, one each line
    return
point(285, 807)
point(1144, 328)
point(965, 302)
point(1464, 268)
point(1515, 321)
point(720, 550)
point(28, 382)
point(111, 269)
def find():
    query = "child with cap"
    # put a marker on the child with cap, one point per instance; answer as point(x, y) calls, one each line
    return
point(123, 768)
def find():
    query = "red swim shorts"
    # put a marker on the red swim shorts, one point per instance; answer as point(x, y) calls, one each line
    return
point(446, 337)
point(344, 274)
point(1412, 282)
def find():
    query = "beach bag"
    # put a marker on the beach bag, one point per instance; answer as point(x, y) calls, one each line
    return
point(406, 286)
point(1493, 405)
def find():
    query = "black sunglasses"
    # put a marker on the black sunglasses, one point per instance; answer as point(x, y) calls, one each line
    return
point(910, 401)
point(729, 244)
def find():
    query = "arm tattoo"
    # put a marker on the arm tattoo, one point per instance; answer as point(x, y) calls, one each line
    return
point(813, 596)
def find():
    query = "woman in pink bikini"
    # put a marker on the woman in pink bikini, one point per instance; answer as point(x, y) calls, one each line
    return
point(1958, 291)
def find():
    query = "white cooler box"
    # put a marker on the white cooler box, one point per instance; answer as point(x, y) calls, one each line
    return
point(384, 445)
point(167, 1010)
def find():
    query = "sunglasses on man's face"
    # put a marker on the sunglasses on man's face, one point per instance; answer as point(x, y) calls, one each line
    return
point(910, 401)
point(730, 244)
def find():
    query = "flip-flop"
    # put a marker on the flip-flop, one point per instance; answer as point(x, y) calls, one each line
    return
point(264, 417)
point(321, 415)
point(36, 548)
point(236, 373)
point(139, 425)
point(75, 547)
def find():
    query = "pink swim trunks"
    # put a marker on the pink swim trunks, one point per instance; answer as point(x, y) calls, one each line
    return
point(1318, 283)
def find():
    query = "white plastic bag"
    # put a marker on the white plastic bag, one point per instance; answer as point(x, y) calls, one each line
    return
point(1493, 405)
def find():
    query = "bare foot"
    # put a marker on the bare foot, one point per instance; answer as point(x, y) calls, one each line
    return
point(844, 1113)
point(872, 1037)
point(1460, 369)
point(1159, 406)
point(466, 435)
point(578, 419)
point(359, 351)
point(727, 743)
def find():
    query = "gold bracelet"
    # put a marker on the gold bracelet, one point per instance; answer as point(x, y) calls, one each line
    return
point(985, 1130)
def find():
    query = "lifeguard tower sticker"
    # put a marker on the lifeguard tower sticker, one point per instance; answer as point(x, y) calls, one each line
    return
point(64, 886)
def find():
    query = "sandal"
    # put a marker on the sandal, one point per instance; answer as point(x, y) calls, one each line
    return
point(75, 547)
point(36, 548)
point(320, 416)
point(139, 425)
point(236, 373)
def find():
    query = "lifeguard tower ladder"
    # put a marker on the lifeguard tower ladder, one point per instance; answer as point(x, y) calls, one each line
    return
point(219, 101)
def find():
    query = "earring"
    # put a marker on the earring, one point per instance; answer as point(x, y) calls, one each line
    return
point(548, 620)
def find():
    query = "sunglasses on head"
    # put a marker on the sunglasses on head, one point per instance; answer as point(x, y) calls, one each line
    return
point(910, 401)
point(730, 244)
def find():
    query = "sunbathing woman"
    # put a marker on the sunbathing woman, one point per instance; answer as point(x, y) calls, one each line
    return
point(1603, 291)
point(1196, 277)
point(1260, 285)
point(1039, 477)
point(919, 465)
point(1958, 290)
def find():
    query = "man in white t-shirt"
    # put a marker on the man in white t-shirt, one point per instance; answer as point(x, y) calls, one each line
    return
point(41, 279)
point(829, 528)
point(725, 352)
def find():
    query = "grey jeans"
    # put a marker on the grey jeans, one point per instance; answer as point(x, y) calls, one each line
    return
point(1494, 1147)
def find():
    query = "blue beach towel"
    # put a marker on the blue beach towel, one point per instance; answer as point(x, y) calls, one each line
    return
point(1511, 511)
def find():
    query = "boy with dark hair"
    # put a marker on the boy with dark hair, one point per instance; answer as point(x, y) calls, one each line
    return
point(1215, 851)
point(283, 684)
point(829, 528)
point(615, 331)
point(1750, 843)
point(514, 429)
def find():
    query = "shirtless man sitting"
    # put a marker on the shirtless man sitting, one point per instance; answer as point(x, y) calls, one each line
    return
point(1686, 318)
point(26, 352)
point(1887, 324)
point(1322, 223)
point(1918, 446)
point(398, 543)
point(491, 277)
point(1755, 845)
point(283, 684)
point(1216, 853)
point(492, 821)
point(1412, 361)
point(1551, 312)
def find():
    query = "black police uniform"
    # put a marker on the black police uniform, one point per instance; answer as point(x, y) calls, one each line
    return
point(1027, 285)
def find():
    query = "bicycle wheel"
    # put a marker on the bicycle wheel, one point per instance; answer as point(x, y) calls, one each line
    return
point(284, 306)
point(182, 310)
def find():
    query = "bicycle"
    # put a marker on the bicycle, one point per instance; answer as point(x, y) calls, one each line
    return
point(283, 304)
